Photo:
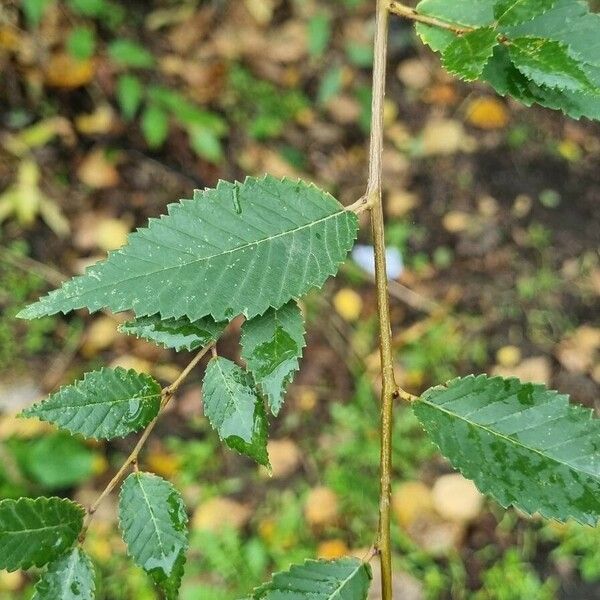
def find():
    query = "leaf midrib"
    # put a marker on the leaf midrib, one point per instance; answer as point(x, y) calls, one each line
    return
point(88, 404)
point(508, 439)
point(196, 260)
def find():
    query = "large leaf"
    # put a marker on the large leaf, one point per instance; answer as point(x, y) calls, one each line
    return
point(69, 577)
point(521, 443)
point(271, 347)
point(341, 579)
point(153, 521)
point(468, 54)
point(547, 63)
point(513, 12)
point(34, 532)
point(234, 409)
point(105, 404)
point(237, 249)
point(178, 334)
point(470, 13)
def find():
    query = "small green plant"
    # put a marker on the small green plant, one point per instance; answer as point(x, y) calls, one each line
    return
point(254, 249)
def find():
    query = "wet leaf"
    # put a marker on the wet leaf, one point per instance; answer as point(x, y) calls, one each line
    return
point(234, 409)
point(153, 521)
point(70, 577)
point(271, 346)
point(275, 240)
point(105, 404)
point(34, 532)
point(344, 578)
point(521, 443)
point(178, 334)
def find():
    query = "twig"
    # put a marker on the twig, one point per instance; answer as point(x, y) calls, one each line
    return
point(167, 394)
point(410, 13)
point(389, 387)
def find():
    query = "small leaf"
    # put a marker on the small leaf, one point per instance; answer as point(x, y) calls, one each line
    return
point(34, 532)
point(341, 579)
point(271, 347)
point(155, 126)
point(178, 334)
point(468, 54)
point(238, 249)
point(234, 409)
point(521, 443)
point(129, 94)
point(81, 43)
point(548, 63)
point(153, 521)
point(104, 404)
point(513, 12)
point(130, 54)
point(70, 577)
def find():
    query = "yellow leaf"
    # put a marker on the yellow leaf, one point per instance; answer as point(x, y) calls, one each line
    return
point(508, 356)
point(100, 335)
point(98, 122)
point(331, 549)
point(410, 501)
point(111, 233)
point(64, 71)
point(487, 113)
point(217, 512)
point(456, 498)
point(163, 463)
point(348, 304)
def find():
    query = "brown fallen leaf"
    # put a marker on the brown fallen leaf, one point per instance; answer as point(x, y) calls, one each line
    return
point(321, 507)
point(536, 369)
point(456, 498)
point(285, 457)
point(220, 512)
point(96, 171)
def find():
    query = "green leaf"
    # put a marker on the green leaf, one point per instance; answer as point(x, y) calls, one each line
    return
point(569, 22)
point(34, 10)
point(34, 532)
point(55, 461)
point(81, 43)
point(238, 249)
point(205, 143)
point(271, 347)
point(520, 442)
point(153, 522)
point(341, 579)
point(506, 79)
point(130, 54)
point(436, 38)
point(468, 54)
point(104, 404)
point(178, 334)
point(513, 12)
point(234, 409)
point(469, 13)
point(319, 34)
point(155, 125)
point(129, 94)
point(547, 63)
point(70, 577)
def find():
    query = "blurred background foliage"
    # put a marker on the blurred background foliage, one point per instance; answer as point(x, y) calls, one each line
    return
point(111, 110)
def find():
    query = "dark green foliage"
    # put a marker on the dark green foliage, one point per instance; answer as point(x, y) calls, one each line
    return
point(70, 577)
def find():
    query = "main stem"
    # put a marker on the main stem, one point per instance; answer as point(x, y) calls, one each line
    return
point(389, 388)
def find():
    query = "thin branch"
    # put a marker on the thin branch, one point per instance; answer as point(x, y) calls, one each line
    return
point(410, 13)
point(132, 459)
point(389, 387)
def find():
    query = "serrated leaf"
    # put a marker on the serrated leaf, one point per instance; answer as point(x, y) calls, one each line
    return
point(513, 12)
point(569, 22)
point(547, 63)
point(469, 13)
point(506, 79)
point(468, 54)
point(105, 404)
point(153, 522)
point(69, 577)
point(234, 409)
point(271, 347)
point(521, 443)
point(238, 249)
point(341, 579)
point(436, 38)
point(178, 334)
point(35, 531)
